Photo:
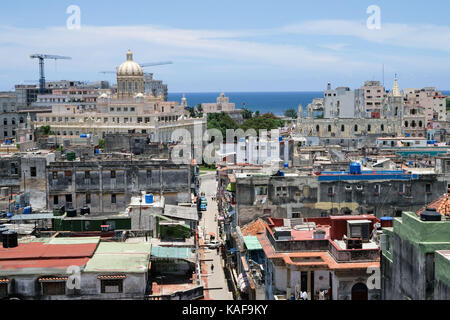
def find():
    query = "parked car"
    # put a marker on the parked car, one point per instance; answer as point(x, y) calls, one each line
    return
point(213, 244)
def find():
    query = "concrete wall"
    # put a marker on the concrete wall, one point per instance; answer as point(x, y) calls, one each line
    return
point(131, 177)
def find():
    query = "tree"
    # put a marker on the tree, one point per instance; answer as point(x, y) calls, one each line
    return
point(101, 143)
point(246, 114)
point(199, 108)
point(222, 122)
point(290, 113)
point(262, 122)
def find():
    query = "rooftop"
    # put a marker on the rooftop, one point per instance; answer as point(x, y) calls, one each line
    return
point(120, 257)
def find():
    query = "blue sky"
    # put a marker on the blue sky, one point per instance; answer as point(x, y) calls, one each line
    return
point(232, 45)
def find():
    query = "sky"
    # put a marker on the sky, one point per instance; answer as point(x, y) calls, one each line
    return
point(234, 46)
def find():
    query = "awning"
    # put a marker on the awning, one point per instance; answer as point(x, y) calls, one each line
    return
point(111, 276)
point(212, 234)
point(53, 279)
point(231, 187)
point(252, 243)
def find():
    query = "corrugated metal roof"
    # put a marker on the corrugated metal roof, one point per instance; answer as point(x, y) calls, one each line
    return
point(33, 216)
point(117, 257)
point(171, 252)
point(252, 243)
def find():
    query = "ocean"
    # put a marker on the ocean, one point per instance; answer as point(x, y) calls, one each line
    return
point(275, 102)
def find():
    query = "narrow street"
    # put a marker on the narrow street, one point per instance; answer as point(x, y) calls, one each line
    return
point(216, 281)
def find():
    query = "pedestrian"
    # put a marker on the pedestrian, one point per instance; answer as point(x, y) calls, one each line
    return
point(212, 268)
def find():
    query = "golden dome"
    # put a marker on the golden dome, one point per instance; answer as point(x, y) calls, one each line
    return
point(129, 67)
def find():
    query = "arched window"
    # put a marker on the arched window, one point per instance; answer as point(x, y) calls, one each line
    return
point(420, 124)
point(21, 120)
point(369, 128)
point(356, 127)
point(413, 124)
point(406, 124)
point(129, 86)
point(317, 128)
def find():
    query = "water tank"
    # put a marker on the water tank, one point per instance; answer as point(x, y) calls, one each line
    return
point(27, 210)
point(2, 229)
point(430, 214)
point(355, 168)
point(286, 165)
point(71, 156)
point(71, 212)
point(85, 210)
point(9, 239)
point(149, 198)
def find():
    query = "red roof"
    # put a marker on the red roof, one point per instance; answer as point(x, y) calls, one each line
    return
point(43, 263)
point(40, 250)
point(441, 204)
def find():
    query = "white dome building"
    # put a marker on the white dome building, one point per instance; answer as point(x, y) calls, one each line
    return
point(130, 78)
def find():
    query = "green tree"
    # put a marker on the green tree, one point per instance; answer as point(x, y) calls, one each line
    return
point(222, 122)
point(101, 143)
point(246, 114)
point(199, 108)
point(262, 122)
point(290, 113)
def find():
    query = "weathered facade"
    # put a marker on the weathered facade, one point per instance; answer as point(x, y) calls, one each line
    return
point(408, 261)
point(106, 186)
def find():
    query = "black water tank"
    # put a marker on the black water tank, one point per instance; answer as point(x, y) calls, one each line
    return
point(85, 210)
point(9, 239)
point(430, 214)
point(2, 229)
point(71, 212)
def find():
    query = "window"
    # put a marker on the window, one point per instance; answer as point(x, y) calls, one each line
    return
point(356, 127)
point(88, 198)
point(342, 128)
point(295, 215)
point(54, 288)
point(87, 175)
point(68, 173)
point(68, 198)
point(382, 127)
point(113, 198)
point(112, 286)
point(55, 199)
point(33, 171)
point(377, 189)
point(113, 174)
point(55, 174)
point(428, 188)
point(329, 128)
point(369, 128)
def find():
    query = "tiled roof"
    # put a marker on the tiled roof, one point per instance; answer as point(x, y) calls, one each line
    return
point(111, 277)
point(52, 279)
point(254, 228)
point(442, 205)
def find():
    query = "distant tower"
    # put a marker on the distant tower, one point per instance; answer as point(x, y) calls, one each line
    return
point(184, 102)
point(329, 86)
point(300, 112)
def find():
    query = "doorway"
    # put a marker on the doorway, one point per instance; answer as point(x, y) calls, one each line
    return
point(359, 292)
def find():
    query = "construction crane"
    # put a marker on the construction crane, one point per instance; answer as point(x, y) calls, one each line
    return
point(143, 65)
point(41, 58)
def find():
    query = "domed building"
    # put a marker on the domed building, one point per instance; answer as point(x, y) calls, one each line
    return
point(128, 110)
point(130, 78)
